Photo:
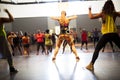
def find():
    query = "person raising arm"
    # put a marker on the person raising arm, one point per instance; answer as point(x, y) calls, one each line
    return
point(108, 29)
point(4, 45)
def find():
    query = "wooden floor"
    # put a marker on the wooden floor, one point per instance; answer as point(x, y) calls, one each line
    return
point(41, 67)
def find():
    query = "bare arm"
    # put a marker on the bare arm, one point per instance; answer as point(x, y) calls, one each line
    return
point(72, 17)
point(95, 16)
point(54, 18)
point(10, 19)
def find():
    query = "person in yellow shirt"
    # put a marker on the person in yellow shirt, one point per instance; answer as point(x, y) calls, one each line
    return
point(109, 29)
point(5, 48)
point(48, 42)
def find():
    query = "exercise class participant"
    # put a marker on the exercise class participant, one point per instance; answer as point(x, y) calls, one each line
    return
point(64, 27)
point(5, 50)
point(109, 29)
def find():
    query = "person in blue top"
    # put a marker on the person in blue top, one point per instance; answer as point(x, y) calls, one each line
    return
point(5, 48)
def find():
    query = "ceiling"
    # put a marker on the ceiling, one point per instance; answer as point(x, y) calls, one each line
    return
point(36, 1)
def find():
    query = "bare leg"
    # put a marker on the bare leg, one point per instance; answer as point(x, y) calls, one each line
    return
point(46, 50)
point(75, 52)
point(57, 48)
point(71, 43)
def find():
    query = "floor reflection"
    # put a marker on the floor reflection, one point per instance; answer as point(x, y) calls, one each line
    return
point(41, 67)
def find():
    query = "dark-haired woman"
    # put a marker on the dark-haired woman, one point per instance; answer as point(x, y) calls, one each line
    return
point(109, 29)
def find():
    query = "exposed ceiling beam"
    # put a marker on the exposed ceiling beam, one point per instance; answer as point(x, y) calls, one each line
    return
point(22, 3)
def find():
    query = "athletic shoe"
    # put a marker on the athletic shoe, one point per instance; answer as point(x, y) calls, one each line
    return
point(13, 70)
point(90, 67)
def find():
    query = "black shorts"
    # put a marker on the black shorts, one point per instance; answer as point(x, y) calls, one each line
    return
point(26, 45)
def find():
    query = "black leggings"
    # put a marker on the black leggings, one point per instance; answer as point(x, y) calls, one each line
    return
point(42, 45)
point(111, 44)
point(114, 37)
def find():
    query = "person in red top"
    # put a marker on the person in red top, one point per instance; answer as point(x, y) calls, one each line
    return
point(40, 41)
point(84, 38)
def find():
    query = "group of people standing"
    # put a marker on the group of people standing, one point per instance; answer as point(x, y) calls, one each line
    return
point(45, 40)
point(19, 42)
point(23, 43)
point(109, 33)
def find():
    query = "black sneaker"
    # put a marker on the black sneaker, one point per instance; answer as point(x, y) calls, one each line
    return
point(13, 70)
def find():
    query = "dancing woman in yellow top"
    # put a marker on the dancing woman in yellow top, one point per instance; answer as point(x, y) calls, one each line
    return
point(5, 48)
point(64, 35)
point(109, 29)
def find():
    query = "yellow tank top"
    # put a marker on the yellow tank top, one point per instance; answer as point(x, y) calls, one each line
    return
point(2, 31)
point(48, 40)
point(109, 25)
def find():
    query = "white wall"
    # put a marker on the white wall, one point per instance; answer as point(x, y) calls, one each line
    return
point(53, 9)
